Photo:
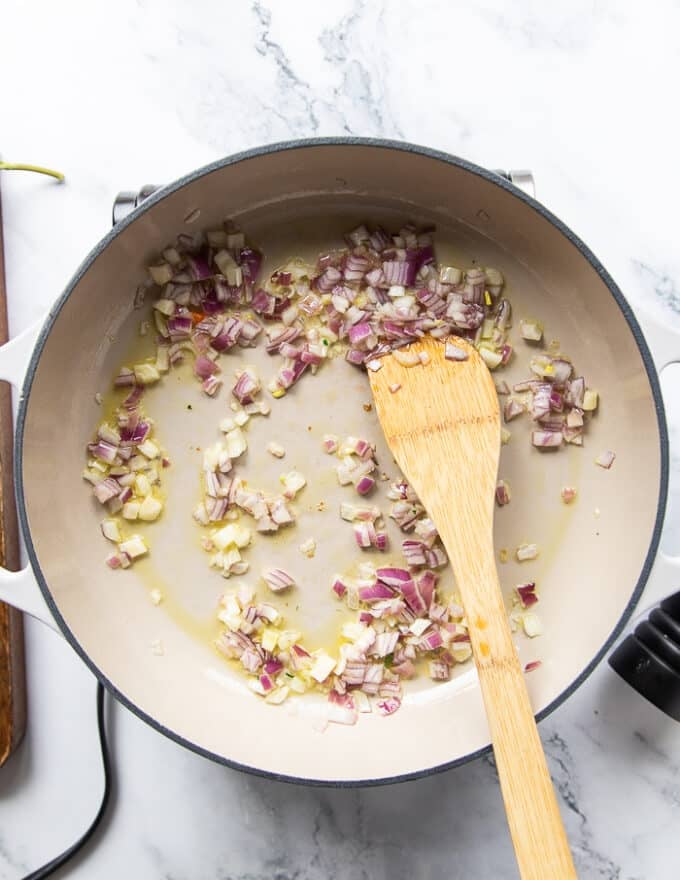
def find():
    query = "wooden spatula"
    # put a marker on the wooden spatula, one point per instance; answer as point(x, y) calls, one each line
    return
point(443, 426)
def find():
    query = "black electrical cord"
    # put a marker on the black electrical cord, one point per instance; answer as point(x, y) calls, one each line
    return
point(48, 869)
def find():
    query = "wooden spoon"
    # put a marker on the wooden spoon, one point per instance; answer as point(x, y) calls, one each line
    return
point(443, 427)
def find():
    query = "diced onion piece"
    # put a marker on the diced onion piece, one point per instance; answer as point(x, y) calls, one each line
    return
point(330, 443)
point(292, 483)
point(142, 485)
point(527, 594)
point(247, 386)
point(388, 706)
point(233, 534)
point(374, 365)
point(512, 409)
point(450, 275)
point(532, 331)
point(568, 494)
point(324, 664)
point(526, 552)
point(455, 353)
point(161, 273)
point(419, 626)
point(394, 387)
point(166, 307)
point(546, 439)
point(277, 696)
point(491, 358)
point(236, 241)
point(461, 651)
point(605, 459)
point(133, 546)
point(146, 374)
point(111, 531)
point(353, 512)
point(364, 484)
point(575, 418)
point(406, 357)
point(131, 510)
point(439, 670)
point(533, 664)
point(502, 493)
point(308, 548)
point(342, 708)
point(150, 509)
point(531, 624)
point(590, 400)
point(361, 701)
point(277, 579)
point(276, 449)
point(235, 442)
point(156, 596)
point(224, 261)
point(269, 638)
point(211, 385)
point(149, 449)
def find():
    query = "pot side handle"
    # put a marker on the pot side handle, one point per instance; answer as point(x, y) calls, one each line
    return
point(664, 344)
point(664, 341)
point(663, 581)
point(20, 588)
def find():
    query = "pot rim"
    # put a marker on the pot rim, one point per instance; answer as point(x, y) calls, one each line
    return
point(280, 146)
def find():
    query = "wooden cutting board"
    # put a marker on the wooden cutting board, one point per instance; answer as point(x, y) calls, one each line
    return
point(12, 681)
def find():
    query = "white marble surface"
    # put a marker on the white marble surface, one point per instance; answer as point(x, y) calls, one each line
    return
point(122, 94)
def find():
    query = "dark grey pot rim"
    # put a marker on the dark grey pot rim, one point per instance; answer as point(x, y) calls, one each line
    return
point(445, 158)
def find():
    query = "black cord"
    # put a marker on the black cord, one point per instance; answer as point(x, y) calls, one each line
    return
point(56, 863)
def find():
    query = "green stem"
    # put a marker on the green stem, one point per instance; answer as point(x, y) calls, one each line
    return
point(13, 166)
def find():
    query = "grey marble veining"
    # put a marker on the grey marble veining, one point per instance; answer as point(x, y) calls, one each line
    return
point(144, 91)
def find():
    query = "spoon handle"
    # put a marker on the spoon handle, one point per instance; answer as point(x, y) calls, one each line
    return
point(538, 835)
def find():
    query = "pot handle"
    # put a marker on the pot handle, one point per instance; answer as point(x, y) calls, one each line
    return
point(664, 344)
point(663, 341)
point(663, 581)
point(20, 588)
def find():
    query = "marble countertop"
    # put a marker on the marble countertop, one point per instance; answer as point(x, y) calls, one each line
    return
point(143, 91)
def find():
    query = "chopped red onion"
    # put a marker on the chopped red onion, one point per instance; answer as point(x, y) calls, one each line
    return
point(106, 489)
point(502, 493)
point(339, 588)
point(204, 367)
point(512, 409)
point(526, 551)
point(527, 594)
point(341, 708)
point(389, 706)
point(211, 385)
point(364, 484)
point(277, 579)
point(546, 439)
point(375, 592)
point(399, 272)
point(455, 353)
point(247, 387)
point(605, 459)
point(439, 670)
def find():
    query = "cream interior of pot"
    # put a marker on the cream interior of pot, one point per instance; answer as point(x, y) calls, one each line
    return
point(298, 202)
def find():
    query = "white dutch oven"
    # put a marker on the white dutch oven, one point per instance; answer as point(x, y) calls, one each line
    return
point(297, 198)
